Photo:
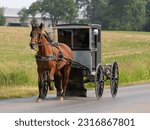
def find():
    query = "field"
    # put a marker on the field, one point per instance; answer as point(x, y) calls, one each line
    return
point(18, 75)
point(132, 51)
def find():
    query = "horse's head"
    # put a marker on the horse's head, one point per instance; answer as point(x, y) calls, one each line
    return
point(35, 35)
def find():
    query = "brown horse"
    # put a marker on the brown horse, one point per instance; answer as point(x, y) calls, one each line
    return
point(52, 57)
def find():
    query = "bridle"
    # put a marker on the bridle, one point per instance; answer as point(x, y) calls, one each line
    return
point(37, 41)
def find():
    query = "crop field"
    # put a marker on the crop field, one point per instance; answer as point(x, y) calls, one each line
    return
point(18, 76)
point(17, 64)
point(132, 51)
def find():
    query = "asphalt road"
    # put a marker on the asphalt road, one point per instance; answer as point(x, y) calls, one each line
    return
point(130, 99)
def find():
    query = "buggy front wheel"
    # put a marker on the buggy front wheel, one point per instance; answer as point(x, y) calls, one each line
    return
point(114, 79)
point(99, 81)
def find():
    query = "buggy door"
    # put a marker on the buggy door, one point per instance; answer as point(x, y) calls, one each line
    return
point(93, 49)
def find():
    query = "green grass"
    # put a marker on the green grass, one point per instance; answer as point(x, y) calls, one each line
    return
point(18, 76)
point(17, 91)
point(132, 52)
point(17, 65)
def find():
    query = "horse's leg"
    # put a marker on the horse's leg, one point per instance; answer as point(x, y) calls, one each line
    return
point(65, 79)
point(49, 83)
point(40, 85)
point(58, 83)
point(51, 73)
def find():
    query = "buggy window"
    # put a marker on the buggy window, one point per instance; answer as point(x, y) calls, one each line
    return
point(77, 39)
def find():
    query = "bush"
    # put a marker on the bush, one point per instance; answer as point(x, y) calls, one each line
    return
point(2, 20)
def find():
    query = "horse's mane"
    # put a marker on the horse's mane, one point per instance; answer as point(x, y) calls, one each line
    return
point(46, 35)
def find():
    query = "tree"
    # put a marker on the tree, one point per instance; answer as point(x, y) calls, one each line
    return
point(2, 18)
point(115, 14)
point(96, 10)
point(23, 14)
point(111, 14)
point(147, 25)
point(125, 15)
point(33, 10)
point(138, 15)
point(71, 13)
point(93, 9)
point(57, 10)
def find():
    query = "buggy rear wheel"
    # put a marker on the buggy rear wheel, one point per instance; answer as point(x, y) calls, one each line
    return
point(114, 79)
point(99, 81)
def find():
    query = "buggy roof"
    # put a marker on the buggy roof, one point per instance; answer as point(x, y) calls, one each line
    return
point(76, 26)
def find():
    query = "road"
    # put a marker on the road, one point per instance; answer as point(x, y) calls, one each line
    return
point(130, 99)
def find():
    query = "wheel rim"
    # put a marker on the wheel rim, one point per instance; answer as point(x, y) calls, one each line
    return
point(114, 79)
point(99, 81)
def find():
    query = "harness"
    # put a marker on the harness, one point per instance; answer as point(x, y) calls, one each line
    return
point(38, 57)
point(51, 57)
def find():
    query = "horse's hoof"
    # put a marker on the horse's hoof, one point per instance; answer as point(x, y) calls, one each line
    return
point(38, 100)
point(61, 98)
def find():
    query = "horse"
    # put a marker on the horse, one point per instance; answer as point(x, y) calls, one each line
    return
point(55, 58)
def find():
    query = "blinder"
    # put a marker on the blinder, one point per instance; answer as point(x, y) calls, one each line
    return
point(32, 45)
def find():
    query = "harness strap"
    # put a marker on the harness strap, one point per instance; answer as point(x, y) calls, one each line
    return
point(51, 57)
point(45, 58)
point(56, 44)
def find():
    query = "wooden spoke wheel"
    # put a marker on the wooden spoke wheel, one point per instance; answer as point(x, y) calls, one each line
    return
point(99, 81)
point(114, 79)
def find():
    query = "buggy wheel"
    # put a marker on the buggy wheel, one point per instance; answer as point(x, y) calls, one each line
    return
point(114, 79)
point(99, 81)
point(45, 85)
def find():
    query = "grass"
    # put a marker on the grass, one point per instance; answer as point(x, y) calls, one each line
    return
point(18, 76)
point(132, 51)
point(17, 91)
point(17, 64)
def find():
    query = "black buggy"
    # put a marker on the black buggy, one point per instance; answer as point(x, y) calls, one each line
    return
point(85, 42)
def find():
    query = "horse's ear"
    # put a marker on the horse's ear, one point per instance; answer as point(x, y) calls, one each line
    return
point(41, 26)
